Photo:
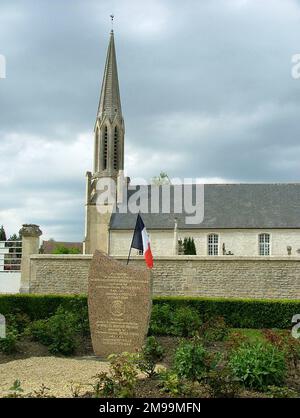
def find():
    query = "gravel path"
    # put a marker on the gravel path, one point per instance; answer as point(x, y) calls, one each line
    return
point(54, 372)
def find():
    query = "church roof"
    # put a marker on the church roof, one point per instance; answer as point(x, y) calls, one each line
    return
point(258, 206)
point(110, 102)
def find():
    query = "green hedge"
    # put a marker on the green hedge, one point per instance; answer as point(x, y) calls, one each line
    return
point(39, 306)
point(238, 313)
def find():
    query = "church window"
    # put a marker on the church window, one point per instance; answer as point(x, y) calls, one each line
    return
point(105, 146)
point(213, 244)
point(116, 140)
point(264, 244)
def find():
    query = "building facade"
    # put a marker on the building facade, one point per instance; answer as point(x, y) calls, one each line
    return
point(239, 219)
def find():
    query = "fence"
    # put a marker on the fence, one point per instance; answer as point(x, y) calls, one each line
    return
point(10, 266)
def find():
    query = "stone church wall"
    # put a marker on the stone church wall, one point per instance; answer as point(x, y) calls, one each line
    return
point(236, 277)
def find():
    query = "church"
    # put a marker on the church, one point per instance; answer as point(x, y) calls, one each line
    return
point(241, 220)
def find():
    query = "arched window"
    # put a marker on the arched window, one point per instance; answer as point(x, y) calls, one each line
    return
point(105, 146)
point(213, 244)
point(116, 143)
point(264, 244)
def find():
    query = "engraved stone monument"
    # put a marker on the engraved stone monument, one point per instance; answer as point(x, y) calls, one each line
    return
point(119, 300)
point(2, 326)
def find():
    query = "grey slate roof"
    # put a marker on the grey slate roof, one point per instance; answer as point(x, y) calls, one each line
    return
point(230, 206)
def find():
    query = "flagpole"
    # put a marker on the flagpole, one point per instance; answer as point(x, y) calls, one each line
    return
point(132, 240)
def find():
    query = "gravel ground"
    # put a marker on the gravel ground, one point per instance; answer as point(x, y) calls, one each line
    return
point(56, 373)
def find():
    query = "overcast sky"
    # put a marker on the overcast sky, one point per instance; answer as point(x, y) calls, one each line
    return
point(206, 92)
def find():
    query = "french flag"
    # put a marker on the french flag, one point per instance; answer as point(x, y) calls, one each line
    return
point(141, 241)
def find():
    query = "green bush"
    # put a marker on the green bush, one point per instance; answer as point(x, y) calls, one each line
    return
point(152, 352)
point(121, 382)
point(58, 332)
point(215, 329)
point(161, 319)
point(8, 345)
point(185, 322)
point(171, 383)
point(258, 365)
point(192, 361)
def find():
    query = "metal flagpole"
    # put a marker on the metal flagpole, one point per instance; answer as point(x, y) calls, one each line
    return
point(132, 239)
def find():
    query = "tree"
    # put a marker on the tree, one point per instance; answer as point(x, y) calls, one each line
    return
point(2, 234)
point(189, 246)
point(14, 237)
point(61, 249)
point(163, 178)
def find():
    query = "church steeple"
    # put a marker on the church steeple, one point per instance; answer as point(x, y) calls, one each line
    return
point(109, 126)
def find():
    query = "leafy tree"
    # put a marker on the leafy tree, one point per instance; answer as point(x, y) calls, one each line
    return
point(2, 234)
point(61, 249)
point(14, 237)
point(189, 246)
point(163, 178)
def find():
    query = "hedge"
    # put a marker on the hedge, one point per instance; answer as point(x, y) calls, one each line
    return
point(238, 313)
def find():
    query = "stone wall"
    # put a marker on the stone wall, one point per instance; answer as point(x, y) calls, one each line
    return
point(237, 277)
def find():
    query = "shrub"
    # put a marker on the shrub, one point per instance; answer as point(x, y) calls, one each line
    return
point(58, 332)
point(161, 319)
point(122, 380)
point(171, 383)
point(193, 361)
point(151, 353)
point(285, 342)
point(8, 345)
point(235, 340)
point(215, 329)
point(258, 365)
point(186, 322)
point(222, 384)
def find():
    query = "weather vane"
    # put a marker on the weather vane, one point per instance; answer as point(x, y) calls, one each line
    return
point(112, 21)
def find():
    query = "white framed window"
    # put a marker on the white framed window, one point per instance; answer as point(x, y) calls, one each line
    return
point(264, 244)
point(213, 244)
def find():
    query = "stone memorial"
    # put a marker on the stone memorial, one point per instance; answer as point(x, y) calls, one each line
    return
point(119, 301)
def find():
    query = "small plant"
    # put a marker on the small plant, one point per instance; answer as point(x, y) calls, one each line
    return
point(16, 390)
point(8, 345)
point(192, 361)
point(42, 392)
point(186, 322)
point(285, 342)
point(152, 352)
point(171, 383)
point(281, 392)
point(75, 389)
point(222, 384)
point(215, 329)
point(122, 379)
point(258, 365)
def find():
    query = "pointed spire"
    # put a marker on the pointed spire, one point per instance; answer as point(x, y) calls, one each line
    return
point(110, 102)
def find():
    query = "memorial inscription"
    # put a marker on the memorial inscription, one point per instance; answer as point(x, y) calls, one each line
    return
point(119, 299)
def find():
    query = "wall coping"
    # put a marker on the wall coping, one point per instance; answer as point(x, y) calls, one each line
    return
point(167, 258)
